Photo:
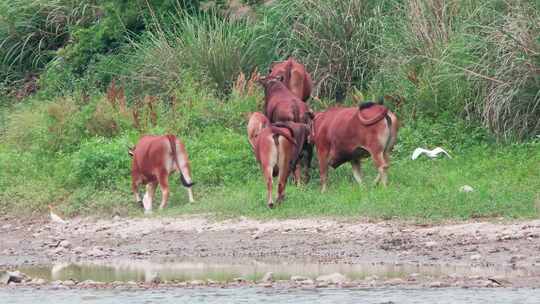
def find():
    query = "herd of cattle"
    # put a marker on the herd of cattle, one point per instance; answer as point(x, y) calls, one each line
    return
point(282, 138)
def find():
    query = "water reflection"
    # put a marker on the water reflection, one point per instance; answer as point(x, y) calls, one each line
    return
point(226, 271)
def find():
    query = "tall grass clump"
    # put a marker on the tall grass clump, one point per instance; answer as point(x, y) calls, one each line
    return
point(213, 48)
point(335, 39)
point(31, 32)
point(511, 108)
point(475, 62)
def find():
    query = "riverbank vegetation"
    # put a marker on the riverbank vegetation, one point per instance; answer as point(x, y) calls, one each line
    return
point(82, 80)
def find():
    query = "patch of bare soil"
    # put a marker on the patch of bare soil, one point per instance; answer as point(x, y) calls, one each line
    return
point(514, 245)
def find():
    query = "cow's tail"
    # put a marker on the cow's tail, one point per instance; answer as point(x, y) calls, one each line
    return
point(185, 176)
point(278, 131)
point(393, 126)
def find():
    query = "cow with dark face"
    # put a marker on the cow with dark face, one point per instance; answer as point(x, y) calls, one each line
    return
point(280, 105)
point(294, 76)
point(277, 149)
point(351, 134)
point(154, 159)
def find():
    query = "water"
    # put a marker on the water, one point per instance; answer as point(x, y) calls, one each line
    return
point(226, 271)
point(271, 295)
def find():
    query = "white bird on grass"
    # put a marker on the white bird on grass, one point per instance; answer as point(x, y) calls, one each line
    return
point(429, 153)
point(55, 218)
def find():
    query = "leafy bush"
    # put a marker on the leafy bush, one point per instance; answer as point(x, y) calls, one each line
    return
point(101, 163)
point(221, 156)
point(30, 32)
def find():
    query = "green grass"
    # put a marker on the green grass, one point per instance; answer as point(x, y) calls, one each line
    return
point(506, 184)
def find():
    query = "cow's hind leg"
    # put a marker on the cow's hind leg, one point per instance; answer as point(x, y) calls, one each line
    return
point(382, 166)
point(135, 189)
point(268, 176)
point(306, 162)
point(164, 185)
point(323, 167)
point(148, 197)
point(284, 167)
point(357, 170)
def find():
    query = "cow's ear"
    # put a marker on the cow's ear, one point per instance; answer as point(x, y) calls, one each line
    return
point(130, 151)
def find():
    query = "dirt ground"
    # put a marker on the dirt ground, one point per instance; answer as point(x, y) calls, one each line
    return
point(512, 245)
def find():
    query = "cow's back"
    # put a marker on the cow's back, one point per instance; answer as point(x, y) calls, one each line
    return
point(283, 105)
point(333, 133)
point(151, 154)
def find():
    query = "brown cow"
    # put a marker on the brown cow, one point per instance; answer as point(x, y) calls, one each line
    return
point(350, 134)
point(282, 106)
point(154, 159)
point(294, 76)
point(257, 122)
point(277, 150)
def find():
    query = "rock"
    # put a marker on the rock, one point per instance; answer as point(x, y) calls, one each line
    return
point(321, 285)
point(298, 278)
point(68, 283)
point(476, 257)
point(65, 244)
point(95, 252)
point(466, 189)
point(257, 235)
point(196, 282)
point(437, 284)
point(38, 281)
point(516, 258)
point(266, 284)
point(239, 280)
point(334, 278)
point(58, 250)
point(152, 278)
point(431, 244)
point(78, 250)
point(395, 281)
point(413, 276)
point(6, 226)
point(268, 277)
point(4, 277)
point(307, 282)
point(7, 277)
point(372, 278)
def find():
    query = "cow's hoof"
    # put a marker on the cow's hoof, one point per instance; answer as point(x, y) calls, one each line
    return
point(271, 205)
point(140, 203)
point(147, 212)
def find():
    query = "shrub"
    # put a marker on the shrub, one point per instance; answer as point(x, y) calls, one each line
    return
point(30, 32)
point(220, 156)
point(101, 163)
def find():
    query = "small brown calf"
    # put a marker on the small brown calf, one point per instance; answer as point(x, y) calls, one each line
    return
point(154, 159)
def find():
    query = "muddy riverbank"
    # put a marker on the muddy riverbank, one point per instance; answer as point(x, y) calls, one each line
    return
point(481, 254)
